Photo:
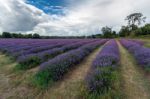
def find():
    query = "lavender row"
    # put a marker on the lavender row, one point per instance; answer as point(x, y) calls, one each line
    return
point(32, 60)
point(25, 47)
point(101, 76)
point(40, 48)
point(14, 46)
point(55, 68)
point(141, 54)
point(137, 41)
point(7, 44)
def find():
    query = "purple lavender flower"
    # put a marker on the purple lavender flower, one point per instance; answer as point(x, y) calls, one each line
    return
point(141, 54)
point(100, 78)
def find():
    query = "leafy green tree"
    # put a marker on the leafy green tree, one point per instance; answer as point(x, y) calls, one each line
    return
point(114, 34)
point(20, 35)
point(36, 36)
point(146, 29)
point(6, 35)
point(107, 32)
point(124, 31)
point(28, 35)
point(98, 36)
point(14, 35)
point(135, 19)
point(137, 32)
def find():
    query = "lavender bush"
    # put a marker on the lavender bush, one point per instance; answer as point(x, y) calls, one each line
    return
point(102, 75)
point(141, 54)
point(137, 41)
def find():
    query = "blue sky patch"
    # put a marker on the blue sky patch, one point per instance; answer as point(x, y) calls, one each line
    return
point(50, 6)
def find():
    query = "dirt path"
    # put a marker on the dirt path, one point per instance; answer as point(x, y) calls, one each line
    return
point(134, 83)
point(69, 87)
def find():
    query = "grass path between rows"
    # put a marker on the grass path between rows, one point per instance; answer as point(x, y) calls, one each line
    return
point(69, 87)
point(14, 85)
point(135, 84)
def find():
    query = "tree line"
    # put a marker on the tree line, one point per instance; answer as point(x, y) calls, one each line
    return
point(34, 36)
point(132, 29)
point(19, 35)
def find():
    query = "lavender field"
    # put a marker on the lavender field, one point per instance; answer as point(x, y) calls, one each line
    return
point(74, 49)
point(74, 68)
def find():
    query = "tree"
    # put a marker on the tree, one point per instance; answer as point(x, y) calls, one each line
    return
point(135, 19)
point(20, 35)
point(107, 32)
point(114, 34)
point(137, 32)
point(98, 36)
point(28, 36)
point(14, 35)
point(124, 31)
point(35, 35)
point(145, 29)
point(6, 35)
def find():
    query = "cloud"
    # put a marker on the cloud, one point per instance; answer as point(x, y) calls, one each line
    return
point(17, 16)
point(82, 17)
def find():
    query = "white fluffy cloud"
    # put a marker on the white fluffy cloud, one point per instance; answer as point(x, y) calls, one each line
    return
point(17, 16)
point(82, 18)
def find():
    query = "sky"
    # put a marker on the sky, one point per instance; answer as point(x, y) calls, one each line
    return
point(67, 17)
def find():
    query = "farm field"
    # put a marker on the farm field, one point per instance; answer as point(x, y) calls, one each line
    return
point(74, 49)
point(74, 68)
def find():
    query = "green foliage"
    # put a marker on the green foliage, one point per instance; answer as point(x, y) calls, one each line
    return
point(147, 68)
point(30, 63)
point(145, 29)
point(147, 44)
point(19, 35)
point(42, 79)
point(124, 31)
point(108, 33)
point(14, 35)
point(28, 36)
point(6, 35)
point(109, 77)
point(36, 36)
point(132, 30)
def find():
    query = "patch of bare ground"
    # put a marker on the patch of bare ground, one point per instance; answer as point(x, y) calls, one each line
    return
point(69, 86)
point(134, 83)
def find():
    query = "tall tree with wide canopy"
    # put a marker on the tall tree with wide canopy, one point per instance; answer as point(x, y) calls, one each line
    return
point(135, 19)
